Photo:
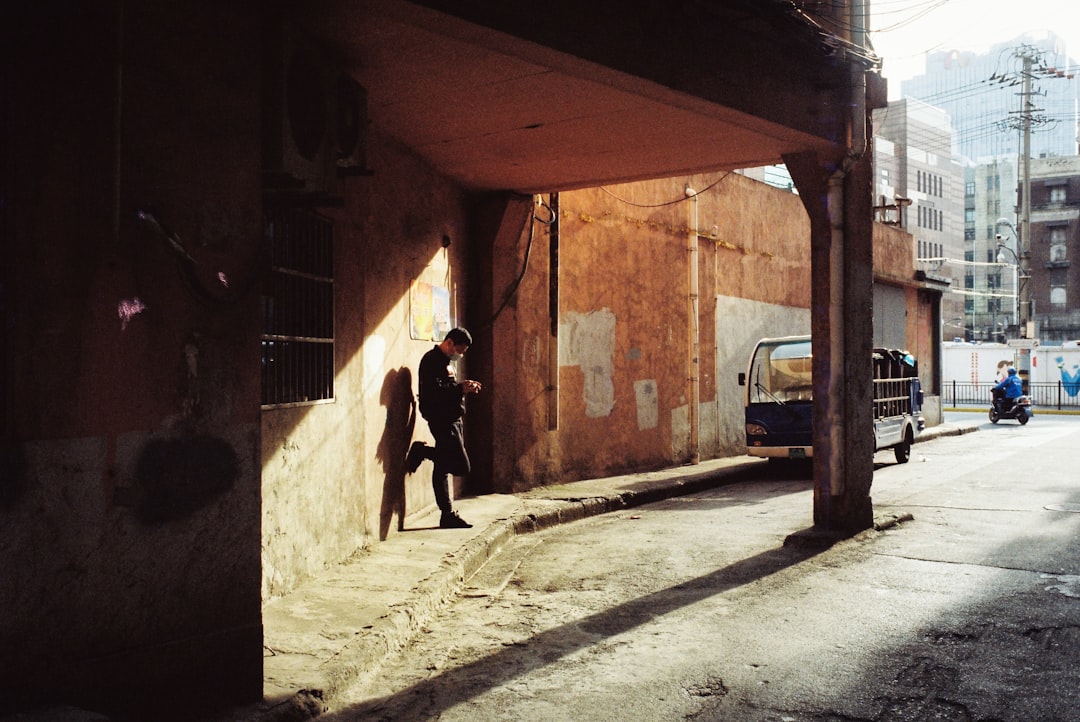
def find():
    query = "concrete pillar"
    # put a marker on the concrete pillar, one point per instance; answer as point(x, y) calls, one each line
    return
point(499, 235)
point(841, 254)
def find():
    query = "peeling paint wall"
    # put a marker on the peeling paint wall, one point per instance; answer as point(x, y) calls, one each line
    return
point(627, 321)
point(623, 396)
point(587, 341)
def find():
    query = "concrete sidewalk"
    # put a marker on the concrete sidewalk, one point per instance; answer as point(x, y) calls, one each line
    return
point(337, 630)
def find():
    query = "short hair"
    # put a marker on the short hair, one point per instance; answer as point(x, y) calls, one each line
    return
point(460, 336)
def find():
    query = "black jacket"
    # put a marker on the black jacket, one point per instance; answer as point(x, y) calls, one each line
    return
point(442, 399)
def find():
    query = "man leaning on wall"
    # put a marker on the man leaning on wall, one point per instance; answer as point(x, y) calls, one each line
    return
point(442, 404)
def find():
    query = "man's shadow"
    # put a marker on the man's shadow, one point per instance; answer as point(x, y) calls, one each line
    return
point(397, 397)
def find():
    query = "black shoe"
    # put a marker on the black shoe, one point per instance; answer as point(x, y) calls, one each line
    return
point(450, 520)
point(415, 456)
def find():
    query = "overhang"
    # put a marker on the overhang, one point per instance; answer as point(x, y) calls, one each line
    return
point(539, 98)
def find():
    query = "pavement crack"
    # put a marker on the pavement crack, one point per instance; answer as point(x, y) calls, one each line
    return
point(961, 563)
point(1059, 638)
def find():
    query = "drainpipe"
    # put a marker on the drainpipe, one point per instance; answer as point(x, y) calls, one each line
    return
point(553, 316)
point(694, 333)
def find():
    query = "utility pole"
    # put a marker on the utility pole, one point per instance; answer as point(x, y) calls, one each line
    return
point(1024, 293)
point(1029, 115)
point(1023, 121)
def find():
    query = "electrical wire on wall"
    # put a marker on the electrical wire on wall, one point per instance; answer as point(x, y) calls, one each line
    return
point(225, 291)
point(550, 220)
point(681, 199)
point(512, 291)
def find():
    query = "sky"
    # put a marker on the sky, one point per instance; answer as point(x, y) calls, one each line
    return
point(903, 31)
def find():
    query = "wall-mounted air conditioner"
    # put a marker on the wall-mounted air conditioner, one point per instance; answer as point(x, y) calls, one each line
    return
point(351, 126)
point(299, 138)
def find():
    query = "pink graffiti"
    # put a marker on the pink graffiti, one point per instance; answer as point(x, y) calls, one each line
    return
point(127, 309)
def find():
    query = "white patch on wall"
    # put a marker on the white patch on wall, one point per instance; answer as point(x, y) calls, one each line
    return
point(648, 408)
point(708, 429)
point(588, 341)
point(374, 353)
point(680, 433)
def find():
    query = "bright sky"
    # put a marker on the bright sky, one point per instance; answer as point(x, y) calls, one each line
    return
point(903, 31)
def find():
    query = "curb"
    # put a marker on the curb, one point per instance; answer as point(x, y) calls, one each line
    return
point(361, 661)
point(935, 432)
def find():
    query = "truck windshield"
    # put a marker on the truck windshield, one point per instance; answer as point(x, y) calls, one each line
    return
point(780, 372)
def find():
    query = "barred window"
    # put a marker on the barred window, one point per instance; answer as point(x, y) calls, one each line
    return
point(298, 309)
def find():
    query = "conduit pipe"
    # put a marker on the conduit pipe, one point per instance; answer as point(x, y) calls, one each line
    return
point(553, 315)
point(694, 331)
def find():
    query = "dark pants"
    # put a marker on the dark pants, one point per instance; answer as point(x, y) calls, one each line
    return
point(450, 460)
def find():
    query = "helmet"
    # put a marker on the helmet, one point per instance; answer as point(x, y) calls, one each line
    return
point(1012, 371)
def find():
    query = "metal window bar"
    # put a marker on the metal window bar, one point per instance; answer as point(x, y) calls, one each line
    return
point(298, 309)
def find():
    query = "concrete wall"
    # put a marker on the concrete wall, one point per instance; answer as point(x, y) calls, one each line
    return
point(129, 491)
point(626, 327)
point(625, 330)
point(333, 475)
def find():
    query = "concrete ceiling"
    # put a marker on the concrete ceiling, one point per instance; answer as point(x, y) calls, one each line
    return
point(494, 111)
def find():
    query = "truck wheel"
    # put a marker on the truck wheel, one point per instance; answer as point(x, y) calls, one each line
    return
point(903, 449)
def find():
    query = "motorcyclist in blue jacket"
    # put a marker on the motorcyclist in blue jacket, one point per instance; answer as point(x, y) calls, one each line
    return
point(1011, 387)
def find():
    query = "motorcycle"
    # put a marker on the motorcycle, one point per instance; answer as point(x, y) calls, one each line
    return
point(1019, 408)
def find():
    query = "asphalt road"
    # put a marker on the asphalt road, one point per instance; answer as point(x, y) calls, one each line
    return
point(694, 608)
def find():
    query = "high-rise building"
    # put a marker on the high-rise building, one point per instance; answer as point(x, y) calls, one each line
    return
point(915, 173)
point(982, 94)
point(990, 284)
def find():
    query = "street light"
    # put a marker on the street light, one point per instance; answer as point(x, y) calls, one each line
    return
point(959, 322)
point(1001, 248)
point(1023, 287)
point(1023, 290)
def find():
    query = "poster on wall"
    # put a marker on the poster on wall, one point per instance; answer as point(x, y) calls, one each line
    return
point(429, 311)
point(440, 307)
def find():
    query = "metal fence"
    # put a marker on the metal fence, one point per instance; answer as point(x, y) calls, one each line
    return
point(1049, 394)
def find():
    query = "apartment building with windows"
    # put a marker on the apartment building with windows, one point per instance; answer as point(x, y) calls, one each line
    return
point(917, 187)
point(1055, 248)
